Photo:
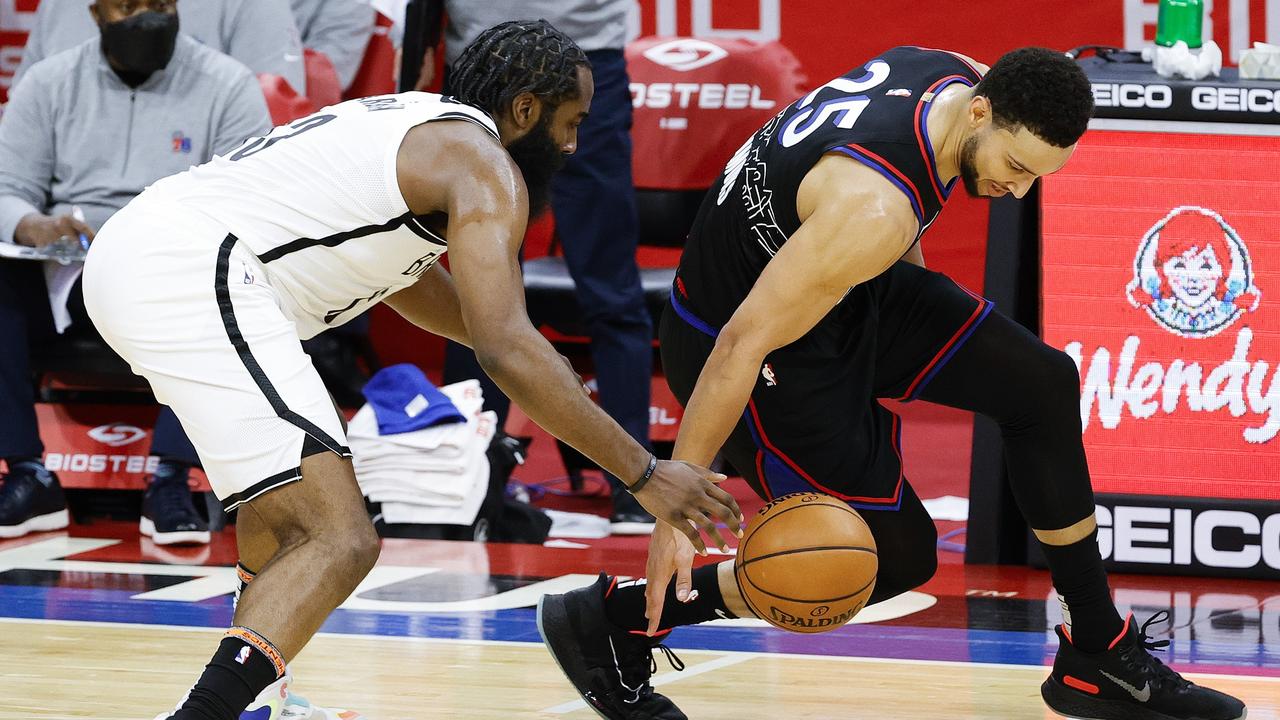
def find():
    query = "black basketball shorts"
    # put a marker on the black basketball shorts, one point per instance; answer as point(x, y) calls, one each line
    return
point(814, 420)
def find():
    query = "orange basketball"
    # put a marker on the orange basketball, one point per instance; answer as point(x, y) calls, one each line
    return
point(807, 563)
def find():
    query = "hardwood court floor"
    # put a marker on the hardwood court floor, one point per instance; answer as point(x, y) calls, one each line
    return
point(99, 624)
point(131, 672)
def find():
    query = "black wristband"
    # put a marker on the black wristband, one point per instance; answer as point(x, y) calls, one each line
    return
point(648, 473)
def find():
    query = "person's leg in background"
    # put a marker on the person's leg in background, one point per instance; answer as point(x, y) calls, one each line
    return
point(595, 210)
point(31, 498)
point(169, 515)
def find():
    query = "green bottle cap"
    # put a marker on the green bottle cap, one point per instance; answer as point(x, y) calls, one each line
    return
point(1180, 20)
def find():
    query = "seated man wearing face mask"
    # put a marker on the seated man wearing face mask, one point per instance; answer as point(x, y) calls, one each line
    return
point(85, 131)
point(259, 33)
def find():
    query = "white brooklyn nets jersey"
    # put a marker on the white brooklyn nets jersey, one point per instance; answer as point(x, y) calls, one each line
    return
point(318, 202)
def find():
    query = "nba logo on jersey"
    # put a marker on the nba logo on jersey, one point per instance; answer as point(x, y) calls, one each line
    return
point(243, 656)
point(898, 92)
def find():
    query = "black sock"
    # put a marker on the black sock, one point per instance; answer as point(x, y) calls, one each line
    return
point(624, 603)
point(1089, 614)
point(244, 664)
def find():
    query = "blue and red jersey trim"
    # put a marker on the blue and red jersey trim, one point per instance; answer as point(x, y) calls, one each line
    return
point(942, 192)
point(891, 173)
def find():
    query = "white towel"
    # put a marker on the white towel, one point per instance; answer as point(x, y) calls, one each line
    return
point(434, 476)
point(404, 504)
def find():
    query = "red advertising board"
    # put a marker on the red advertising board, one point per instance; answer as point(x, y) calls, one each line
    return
point(105, 447)
point(830, 37)
point(696, 100)
point(1161, 278)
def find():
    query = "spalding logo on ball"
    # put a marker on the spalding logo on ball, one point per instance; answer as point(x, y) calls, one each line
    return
point(807, 563)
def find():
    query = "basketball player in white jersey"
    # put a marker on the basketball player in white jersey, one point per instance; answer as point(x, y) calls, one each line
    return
point(208, 280)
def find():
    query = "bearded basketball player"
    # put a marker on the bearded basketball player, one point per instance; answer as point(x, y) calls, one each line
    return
point(802, 298)
point(207, 281)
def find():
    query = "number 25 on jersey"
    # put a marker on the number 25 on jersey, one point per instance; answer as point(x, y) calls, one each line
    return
point(844, 110)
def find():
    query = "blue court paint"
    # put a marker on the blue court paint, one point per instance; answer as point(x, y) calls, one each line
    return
point(888, 640)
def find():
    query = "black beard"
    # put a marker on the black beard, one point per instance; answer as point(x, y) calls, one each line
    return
point(539, 159)
point(968, 168)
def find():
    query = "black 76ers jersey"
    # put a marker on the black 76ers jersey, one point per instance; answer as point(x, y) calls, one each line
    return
point(877, 114)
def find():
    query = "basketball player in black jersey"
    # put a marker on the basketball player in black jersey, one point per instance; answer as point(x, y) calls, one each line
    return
point(802, 299)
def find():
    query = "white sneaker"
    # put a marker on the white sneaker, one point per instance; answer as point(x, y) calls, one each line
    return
point(299, 708)
point(294, 706)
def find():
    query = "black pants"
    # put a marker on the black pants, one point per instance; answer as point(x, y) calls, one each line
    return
point(26, 322)
point(595, 210)
point(815, 421)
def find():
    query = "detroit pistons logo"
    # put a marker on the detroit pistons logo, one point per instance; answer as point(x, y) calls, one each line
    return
point(1192, 274)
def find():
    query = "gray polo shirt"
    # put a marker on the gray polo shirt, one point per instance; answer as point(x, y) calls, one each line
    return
point(593, 24)
point(259, 33)
point(74, 134)
point(338, 28)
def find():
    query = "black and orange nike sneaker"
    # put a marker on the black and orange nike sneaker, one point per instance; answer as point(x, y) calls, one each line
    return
point(1125, 682)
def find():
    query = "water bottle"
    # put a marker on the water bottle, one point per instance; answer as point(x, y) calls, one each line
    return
point(1180, 20)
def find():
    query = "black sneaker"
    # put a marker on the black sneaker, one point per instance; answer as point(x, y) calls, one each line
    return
point(609, 667)
point(169, 516)
point(31, 500)
point(1125, 682)
point(629, 516)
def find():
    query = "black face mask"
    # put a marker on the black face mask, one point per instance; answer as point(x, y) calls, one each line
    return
point(141, 43)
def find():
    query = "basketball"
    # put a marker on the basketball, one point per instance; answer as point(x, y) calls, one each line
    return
point(807, 563)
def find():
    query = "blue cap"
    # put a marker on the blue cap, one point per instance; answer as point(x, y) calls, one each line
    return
point(404, 400)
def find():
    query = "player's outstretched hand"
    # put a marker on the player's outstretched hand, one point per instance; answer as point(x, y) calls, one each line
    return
point(669, 553)
point(687, 498)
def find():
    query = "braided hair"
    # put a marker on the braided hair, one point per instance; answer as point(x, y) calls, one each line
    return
point(513, 58)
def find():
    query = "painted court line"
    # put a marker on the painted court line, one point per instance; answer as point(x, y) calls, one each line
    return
point(665, 678)
point(745, 655)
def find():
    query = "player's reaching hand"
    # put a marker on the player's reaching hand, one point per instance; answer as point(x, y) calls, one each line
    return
point(686, 497)
point(670, 553)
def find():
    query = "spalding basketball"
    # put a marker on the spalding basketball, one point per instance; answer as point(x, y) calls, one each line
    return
point(807, 563)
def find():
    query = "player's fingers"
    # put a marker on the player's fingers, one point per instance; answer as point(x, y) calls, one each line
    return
point(726, 508)
point(709, 527)
point(655, 594)
point(722, 539)
point(690, 531)
point(719, 509)
point(684, 582)
point(654, 621)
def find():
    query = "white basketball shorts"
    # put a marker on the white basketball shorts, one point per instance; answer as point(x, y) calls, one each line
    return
point(193, 311)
